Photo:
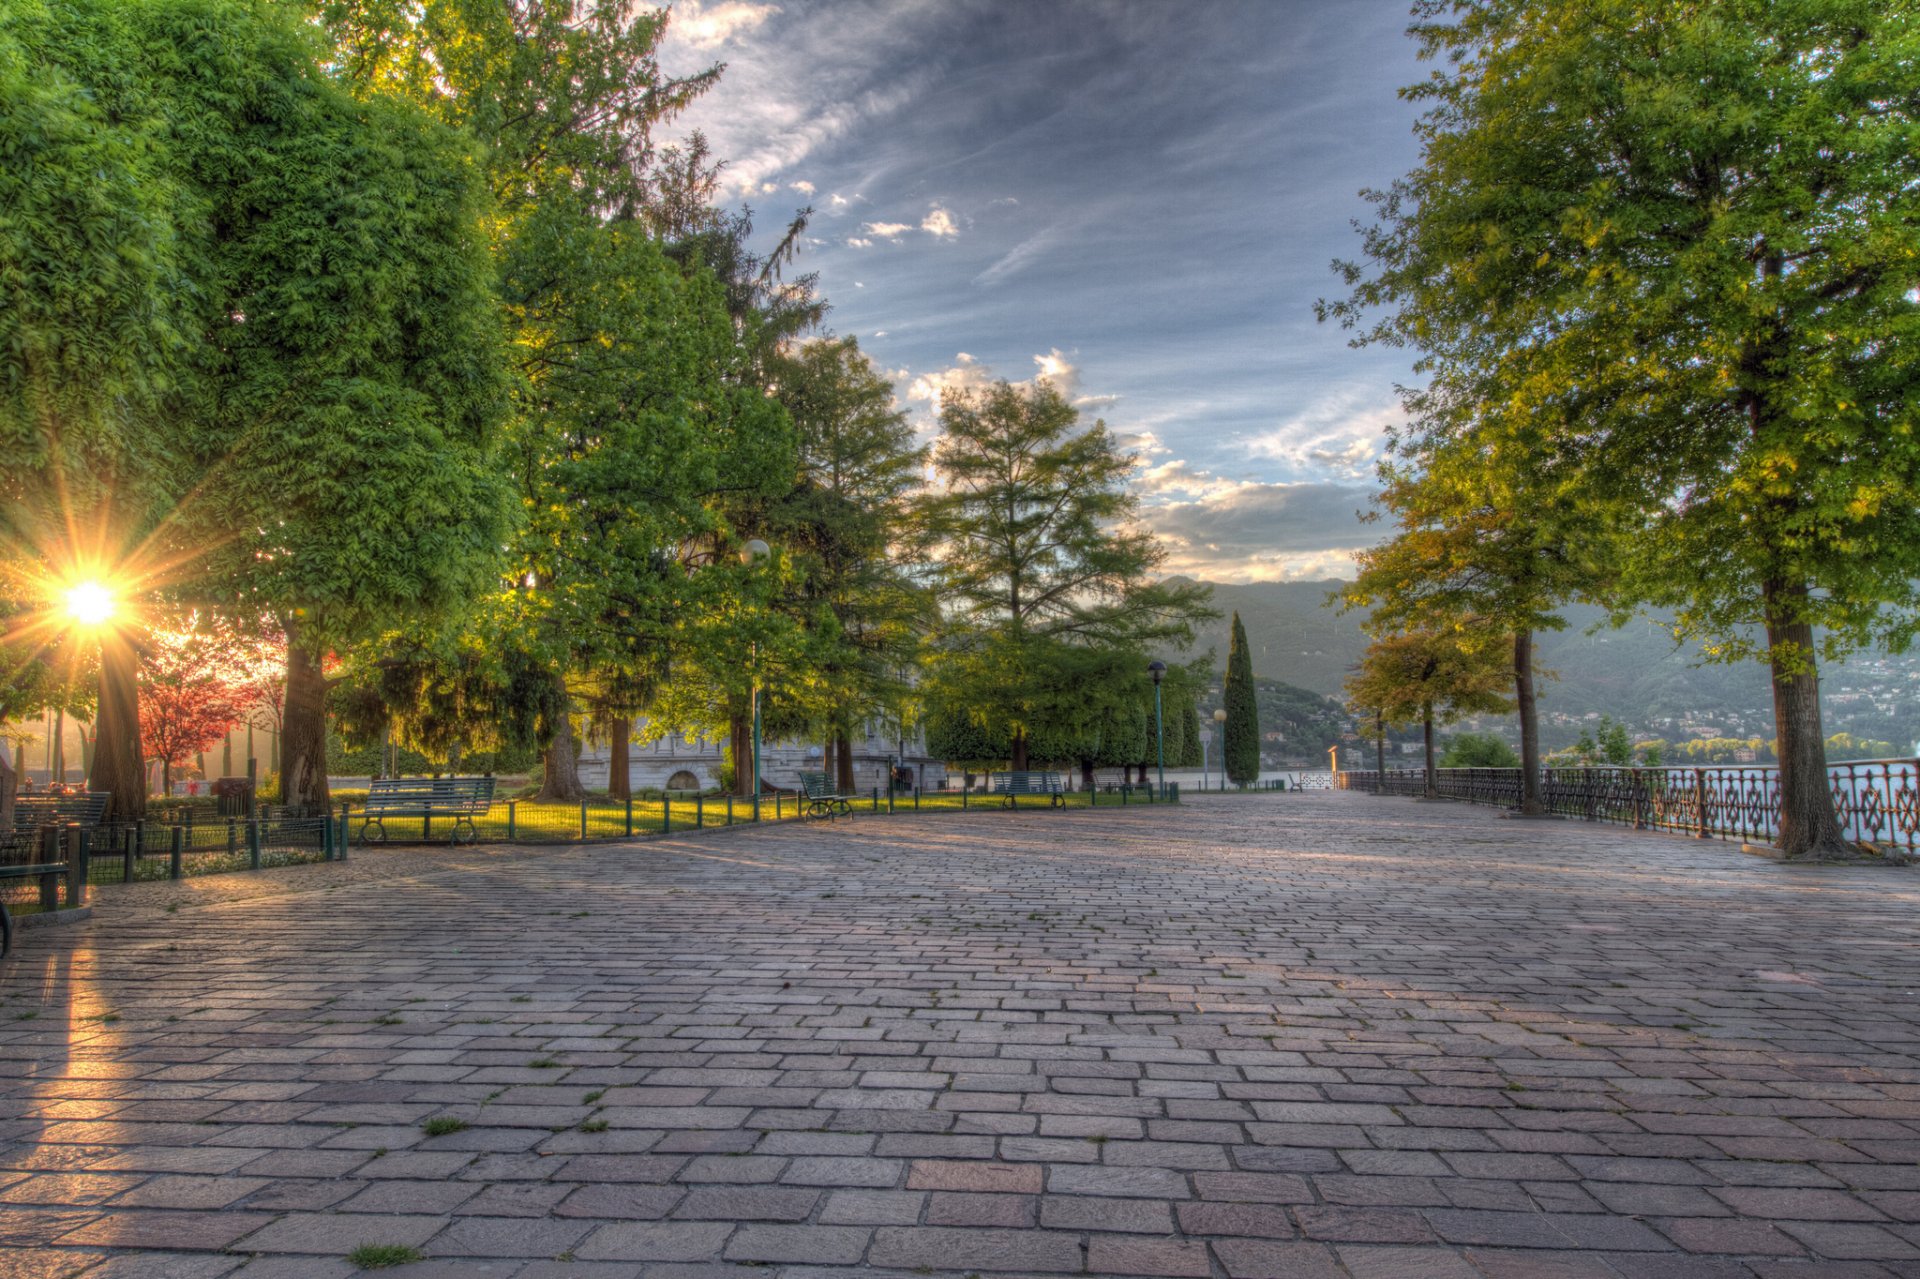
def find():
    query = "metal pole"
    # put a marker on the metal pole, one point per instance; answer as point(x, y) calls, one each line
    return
point(756, 739)
point(1159, 738)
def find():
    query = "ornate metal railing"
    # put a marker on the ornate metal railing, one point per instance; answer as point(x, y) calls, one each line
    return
point(1877, 800)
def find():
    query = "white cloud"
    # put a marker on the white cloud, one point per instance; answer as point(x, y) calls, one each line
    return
point(886, 230)
point(838, 201)
point(1337, 437)
point(705, 24)
point(804, 188)
point(1056, 368)
point(939, 223)
point(1246, 531)
point(859, 242)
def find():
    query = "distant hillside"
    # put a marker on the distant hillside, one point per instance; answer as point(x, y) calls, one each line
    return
point(1634, 673)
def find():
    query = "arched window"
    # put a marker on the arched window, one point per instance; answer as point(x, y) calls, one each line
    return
point(683, 780)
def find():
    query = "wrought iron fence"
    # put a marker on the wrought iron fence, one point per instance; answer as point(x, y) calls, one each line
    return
point(129, 852)
point(1877, 801)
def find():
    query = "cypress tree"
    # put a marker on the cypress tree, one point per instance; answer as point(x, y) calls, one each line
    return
point(1242, 738)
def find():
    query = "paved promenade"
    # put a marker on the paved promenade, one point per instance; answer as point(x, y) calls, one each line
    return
point(1302, 1035)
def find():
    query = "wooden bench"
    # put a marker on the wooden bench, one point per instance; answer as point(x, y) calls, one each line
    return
point(461, 798)
point(1015, 784)
point(31, 812)
point(820, 797)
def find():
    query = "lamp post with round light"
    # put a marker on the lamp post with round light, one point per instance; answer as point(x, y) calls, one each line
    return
point(1158, 669)
point(755, 551)
point(1220, 718)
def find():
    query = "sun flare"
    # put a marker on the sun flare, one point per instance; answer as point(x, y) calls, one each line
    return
point(89, 603)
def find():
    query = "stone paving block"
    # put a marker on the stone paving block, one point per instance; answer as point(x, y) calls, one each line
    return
point(1266, 1259)
point(1126, 1255)
point(1157, 1032)
point(656, 1241)
point(133, 1228)
point(960, 1208)
point(336, 1235)
point(804, 1245)
point(1035, 1251)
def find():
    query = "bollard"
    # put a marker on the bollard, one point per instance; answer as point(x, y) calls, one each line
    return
point(346, 836)
point(1126, 793)
point(666, 815)
point(176, 853)
point(1700, 802)
point(629, 813)
point(326, 837)
point(729, 808)
point(756, 806)
point(78, 851)
point(889, 798)
point(778, 811)
point(963, 794)
point(583, 819)
point(233, 838)
point(49, 856)
point(512, 806)
point(129, 852)
point(916, 798)
point(699, 810)
point(253, 843)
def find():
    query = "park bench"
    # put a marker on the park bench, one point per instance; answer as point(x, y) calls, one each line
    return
point(461, 798)
point(1015, 784)
point(31, 812)
point(821, 798)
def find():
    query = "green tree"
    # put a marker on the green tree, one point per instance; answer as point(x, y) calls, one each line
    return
point(1498, 549)
point(848, 517)
point(310, 386)
point(1478, 750)
point(1428, 678)
point(1038, 552)
point(640, 430)
point(1674, 243)
point(1241, 736)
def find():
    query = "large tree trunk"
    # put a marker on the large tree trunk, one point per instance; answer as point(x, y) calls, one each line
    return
point(1426, 725)
point(117, 767)
point(1086, 775)
point(9, 778)
point(303, 729)
point(1809, 826)
point(843, 764)
point(740, 731)
point(620, 759)
point(1532, 803)
point(560, 780)
point(1019, 762)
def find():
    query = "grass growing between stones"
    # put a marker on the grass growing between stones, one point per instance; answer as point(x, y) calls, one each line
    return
point(380, 1256)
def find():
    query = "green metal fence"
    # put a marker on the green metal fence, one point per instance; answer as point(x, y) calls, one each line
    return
point(52, 867)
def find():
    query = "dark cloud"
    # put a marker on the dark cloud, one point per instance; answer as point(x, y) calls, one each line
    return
point(1156, 188)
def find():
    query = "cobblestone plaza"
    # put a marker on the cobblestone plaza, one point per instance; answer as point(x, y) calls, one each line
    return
point(1299, 1035)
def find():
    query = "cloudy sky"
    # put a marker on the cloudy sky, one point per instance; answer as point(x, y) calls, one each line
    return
point(1137, 198)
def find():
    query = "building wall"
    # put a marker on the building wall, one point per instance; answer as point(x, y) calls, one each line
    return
point(660, 765)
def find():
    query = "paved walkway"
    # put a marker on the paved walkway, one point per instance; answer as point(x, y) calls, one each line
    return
point(1297, 1035)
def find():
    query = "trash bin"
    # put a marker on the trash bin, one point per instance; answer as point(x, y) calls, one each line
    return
point(235, 796)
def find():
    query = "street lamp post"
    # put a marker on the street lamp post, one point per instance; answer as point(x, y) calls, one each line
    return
point(1220, 718)
point(756, 550)
point(1158, 669)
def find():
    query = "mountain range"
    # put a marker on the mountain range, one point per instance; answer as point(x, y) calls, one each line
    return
point(1636, 672)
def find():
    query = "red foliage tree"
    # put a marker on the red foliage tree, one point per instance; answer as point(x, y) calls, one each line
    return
point(196, 686)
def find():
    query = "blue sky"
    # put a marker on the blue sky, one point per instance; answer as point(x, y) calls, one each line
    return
point(1138, 198)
